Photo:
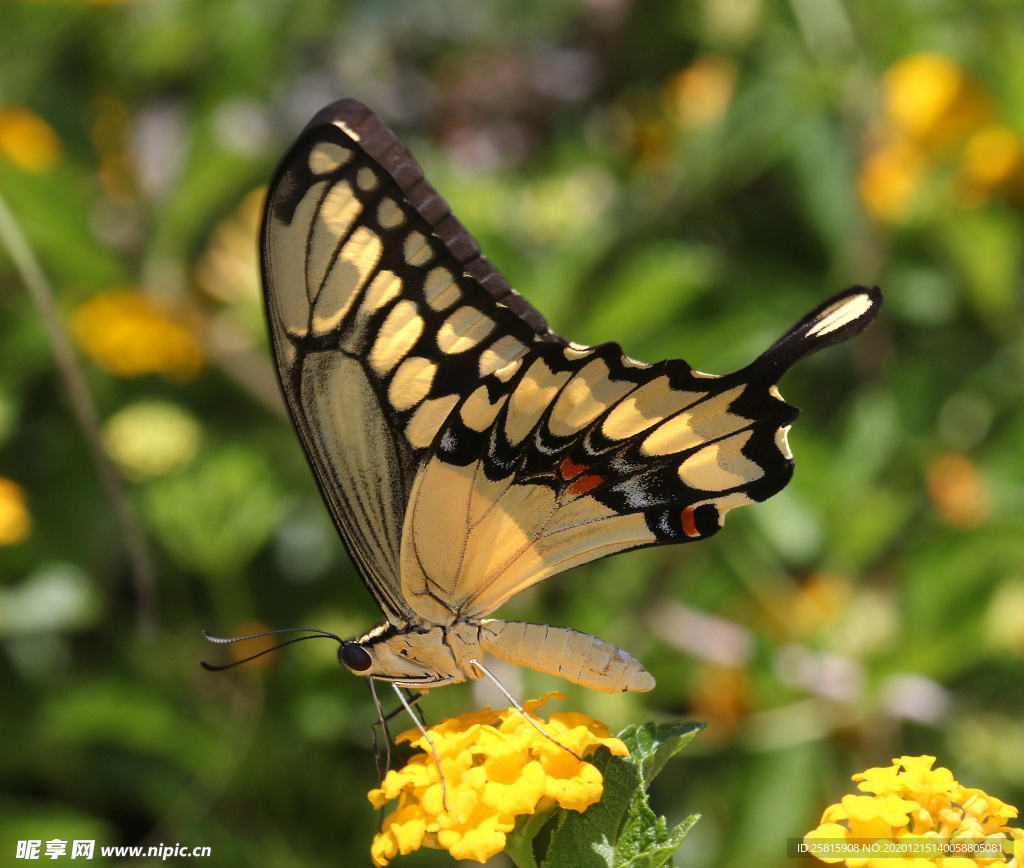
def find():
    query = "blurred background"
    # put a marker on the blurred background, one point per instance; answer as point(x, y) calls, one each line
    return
point(684, 177)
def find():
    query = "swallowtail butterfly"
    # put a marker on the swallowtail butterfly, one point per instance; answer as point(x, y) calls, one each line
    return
point(465, 451)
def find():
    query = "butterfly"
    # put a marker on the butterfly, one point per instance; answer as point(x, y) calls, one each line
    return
point(464, 450)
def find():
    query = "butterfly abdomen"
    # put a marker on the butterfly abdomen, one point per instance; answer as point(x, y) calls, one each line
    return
point(577, 657)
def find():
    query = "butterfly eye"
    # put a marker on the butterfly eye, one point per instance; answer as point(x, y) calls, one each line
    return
point(355, 657)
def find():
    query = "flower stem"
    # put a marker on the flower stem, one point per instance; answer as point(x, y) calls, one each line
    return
point(31, 273)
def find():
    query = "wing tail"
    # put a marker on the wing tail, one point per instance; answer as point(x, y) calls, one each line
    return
point(841, 317)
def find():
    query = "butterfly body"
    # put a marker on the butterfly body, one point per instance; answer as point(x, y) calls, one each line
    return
point(465, 451)
point(428, 655)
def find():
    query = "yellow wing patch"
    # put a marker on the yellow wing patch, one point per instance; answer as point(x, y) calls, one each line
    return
point(440, 289)
point(411, 383)
point(428, 419)
point(720, 466)
point(356, 261)
point(535, 391)
point(585, 397)
point(328, 157)
point(707, 420)
point(396, 337)
point(649, 404)
point(478, 413)
point(463, 330)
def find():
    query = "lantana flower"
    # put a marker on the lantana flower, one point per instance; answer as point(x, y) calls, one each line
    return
point(497, 767)
point(910, 800)
point(127, 334)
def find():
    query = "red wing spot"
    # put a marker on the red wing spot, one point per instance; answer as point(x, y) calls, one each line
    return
point(584, 484)
point(689, 525)
point(569, 469)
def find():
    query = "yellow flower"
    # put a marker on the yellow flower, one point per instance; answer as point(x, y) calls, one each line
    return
point(993, 161)
point(910, 800)
point(931, 108)
point(930, 100)
point(888, 179)
point(912, 775)
point(701, 93)
point(27, 140)
point(15, 521)
point(125, 333)
point(497, 767)
point(828, 832)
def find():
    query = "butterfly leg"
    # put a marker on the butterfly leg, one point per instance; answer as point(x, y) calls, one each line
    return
point(520, 709)
point(423, 731)
point(382, 721)
point(414, 700)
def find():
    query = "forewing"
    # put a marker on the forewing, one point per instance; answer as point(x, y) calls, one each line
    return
point(584, 453)
point(383, 318)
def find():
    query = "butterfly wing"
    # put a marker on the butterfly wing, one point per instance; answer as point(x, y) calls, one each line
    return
point(383, 317)
point(465, 451)
point(583, 453)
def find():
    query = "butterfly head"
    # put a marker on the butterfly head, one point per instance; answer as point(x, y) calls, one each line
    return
point(391, 654)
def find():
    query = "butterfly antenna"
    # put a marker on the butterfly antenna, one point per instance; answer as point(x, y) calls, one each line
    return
point(522, 711)
point(233, 639)
point(211, 667)
point(430, 741)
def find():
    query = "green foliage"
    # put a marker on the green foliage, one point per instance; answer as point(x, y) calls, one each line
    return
point(620, 831)
point(215, 517)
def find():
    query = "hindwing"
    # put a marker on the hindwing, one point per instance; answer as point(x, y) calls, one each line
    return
point(581, 454)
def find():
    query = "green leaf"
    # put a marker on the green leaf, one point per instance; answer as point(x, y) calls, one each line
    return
point(587, 840)
point(655, 744)
point(519, 843)
point(621, 831)
point(661, 850)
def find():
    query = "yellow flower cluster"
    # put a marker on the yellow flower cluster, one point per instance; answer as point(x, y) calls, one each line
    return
point(910, 800)
point(125, 333)
point(27, 140)
point(497, 767)
point(934, 110)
